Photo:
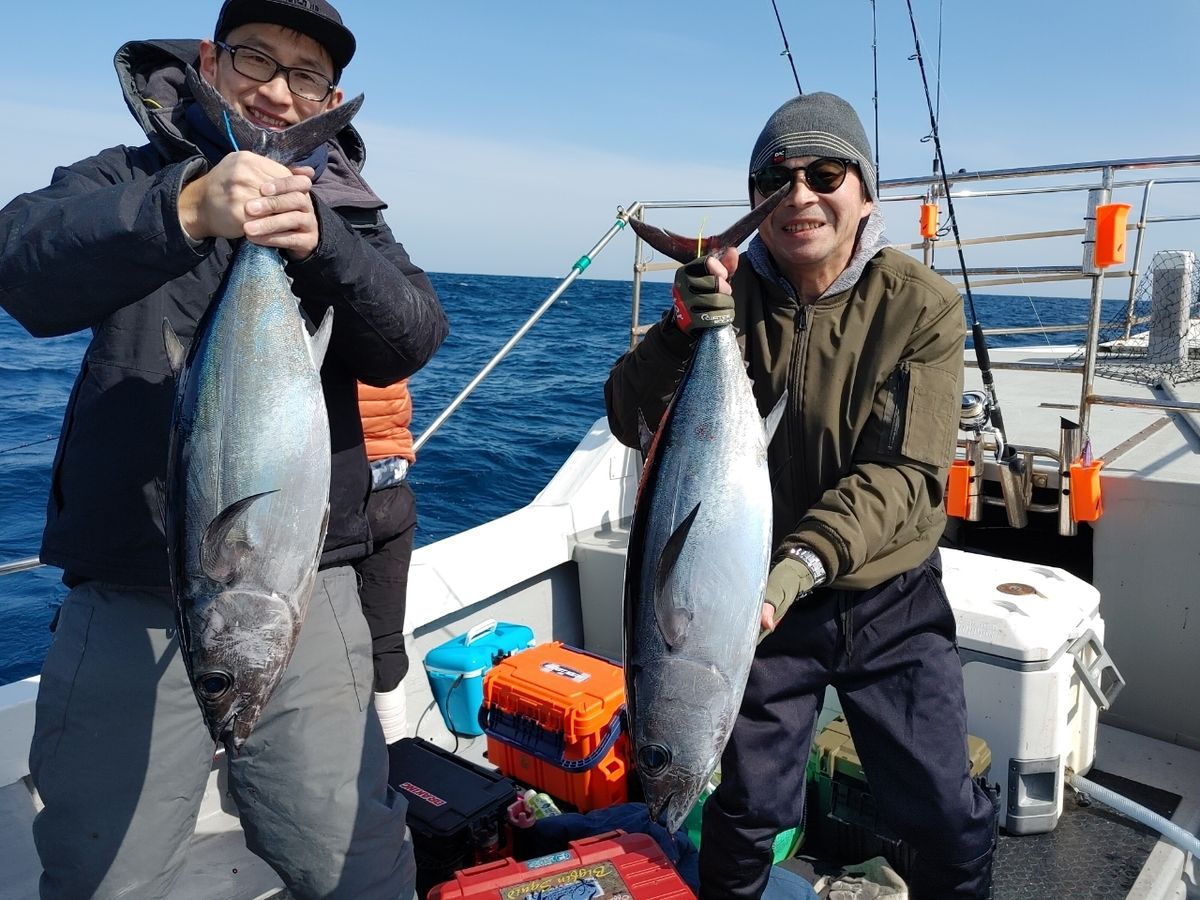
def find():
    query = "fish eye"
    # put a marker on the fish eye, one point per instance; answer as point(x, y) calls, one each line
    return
point(653, 759)
point(214, 685)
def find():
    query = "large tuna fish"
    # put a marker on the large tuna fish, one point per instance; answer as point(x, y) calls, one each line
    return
point(699, 551)
point(248, 473)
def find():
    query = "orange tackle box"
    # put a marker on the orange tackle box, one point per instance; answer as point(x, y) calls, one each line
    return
point(554, 719)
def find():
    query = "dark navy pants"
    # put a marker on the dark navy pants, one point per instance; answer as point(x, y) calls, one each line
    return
point(891, 654)
point(383, 580)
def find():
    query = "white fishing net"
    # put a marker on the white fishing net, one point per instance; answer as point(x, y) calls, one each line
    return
point(1157, 334)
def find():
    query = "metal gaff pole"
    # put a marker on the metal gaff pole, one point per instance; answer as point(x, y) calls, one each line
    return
point(576, 270)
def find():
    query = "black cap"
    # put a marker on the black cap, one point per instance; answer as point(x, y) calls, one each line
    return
point(315, 18)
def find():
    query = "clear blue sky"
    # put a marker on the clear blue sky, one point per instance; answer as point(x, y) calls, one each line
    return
point(505, 135)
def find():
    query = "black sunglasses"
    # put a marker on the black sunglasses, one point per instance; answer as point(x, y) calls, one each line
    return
point(823, 176)
point(259, 66)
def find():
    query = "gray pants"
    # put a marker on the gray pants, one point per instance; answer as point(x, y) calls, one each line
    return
point(121, 756)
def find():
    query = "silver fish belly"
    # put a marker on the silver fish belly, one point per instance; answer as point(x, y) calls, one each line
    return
point(248, 491)
point(699, 552)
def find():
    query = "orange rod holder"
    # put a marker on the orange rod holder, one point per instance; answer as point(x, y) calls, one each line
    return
point(958, 489)
point(1110, 234)
point(1087, 503)
point(929, 221)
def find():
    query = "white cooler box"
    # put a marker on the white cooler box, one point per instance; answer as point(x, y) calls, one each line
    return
point(1036, 675)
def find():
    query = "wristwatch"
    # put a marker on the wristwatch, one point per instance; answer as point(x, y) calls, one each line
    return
point(812, 562)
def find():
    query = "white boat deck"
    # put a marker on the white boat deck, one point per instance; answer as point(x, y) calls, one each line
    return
point(1135, 443)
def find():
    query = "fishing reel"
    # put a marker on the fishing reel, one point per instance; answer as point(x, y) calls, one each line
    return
point(978, 417)
point(976, 412)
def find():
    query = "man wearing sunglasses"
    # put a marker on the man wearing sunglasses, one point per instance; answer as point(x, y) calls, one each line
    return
point(868, 345)
point(117, 243)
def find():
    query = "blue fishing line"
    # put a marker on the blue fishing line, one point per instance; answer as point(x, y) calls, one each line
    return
point(229, 130)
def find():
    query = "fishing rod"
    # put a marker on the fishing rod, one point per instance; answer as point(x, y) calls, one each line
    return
point(46, 439)
point(875, 71)
point(1004, 453)
point(787, 51)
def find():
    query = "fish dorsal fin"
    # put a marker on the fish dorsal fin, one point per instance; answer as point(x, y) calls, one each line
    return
point(674, 621)
point(685, 249)
point(318, 344)
point(286, 146)
point(226, 542)
point(176, 355)
point(771, 422)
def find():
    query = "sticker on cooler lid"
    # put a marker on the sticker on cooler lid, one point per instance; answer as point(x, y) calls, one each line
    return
point(553, 668)
point(431, 799)
point(581, 883)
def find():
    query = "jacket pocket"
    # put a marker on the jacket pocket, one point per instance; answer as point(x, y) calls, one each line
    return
point(60, 669)
point(931, 408)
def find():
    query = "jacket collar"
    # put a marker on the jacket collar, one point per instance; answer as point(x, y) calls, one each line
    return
point(871, 239)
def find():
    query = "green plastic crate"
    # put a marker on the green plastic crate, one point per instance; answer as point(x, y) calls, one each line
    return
point(786, 842)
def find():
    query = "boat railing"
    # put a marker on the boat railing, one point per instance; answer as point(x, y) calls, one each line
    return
point(20, 565)
point(1157, 192)
point(970, 190)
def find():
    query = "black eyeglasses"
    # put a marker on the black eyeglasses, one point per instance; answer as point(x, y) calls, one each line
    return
point(823, 176)
point(253, 63)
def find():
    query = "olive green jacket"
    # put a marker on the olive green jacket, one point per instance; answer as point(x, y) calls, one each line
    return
point(874, 379)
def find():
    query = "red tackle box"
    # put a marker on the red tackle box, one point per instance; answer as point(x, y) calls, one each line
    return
point(611, 865)
point(554, 719)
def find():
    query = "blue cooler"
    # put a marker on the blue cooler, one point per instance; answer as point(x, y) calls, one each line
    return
point(455, 670)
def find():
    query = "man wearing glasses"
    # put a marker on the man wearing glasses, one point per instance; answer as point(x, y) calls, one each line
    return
point(868, 345)
point(117, 243)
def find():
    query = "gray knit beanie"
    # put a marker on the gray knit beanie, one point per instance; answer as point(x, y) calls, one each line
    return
point(815, 125)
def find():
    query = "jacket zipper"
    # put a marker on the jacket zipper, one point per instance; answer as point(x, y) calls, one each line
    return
point(900, 404)
point(796, 407)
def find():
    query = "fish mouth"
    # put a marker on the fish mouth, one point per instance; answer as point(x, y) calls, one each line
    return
point(671, 810)
point(235, 730)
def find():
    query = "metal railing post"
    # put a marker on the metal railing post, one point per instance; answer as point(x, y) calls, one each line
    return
point(1091, 347)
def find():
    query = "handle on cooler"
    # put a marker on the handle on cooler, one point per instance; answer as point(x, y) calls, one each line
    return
point(505, 728)
point(1091, 675)
point(487, 626)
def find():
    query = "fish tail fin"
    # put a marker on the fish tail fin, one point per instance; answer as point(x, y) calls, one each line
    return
point(286, 146)
point(685, 249)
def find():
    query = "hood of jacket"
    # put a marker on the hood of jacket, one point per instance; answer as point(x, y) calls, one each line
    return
point(153, 77)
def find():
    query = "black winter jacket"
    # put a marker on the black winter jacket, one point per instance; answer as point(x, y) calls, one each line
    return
point(101, 247)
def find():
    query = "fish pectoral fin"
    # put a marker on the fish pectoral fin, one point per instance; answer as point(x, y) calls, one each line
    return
point(318, 343)
point(226, 541)
point(771, 422)
point(176, 355)
point(674, 620)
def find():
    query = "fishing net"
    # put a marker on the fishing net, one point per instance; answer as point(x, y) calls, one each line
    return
point(1158, 335)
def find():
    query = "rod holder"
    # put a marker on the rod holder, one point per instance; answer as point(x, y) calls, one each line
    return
point(974, 456)
point(1015, 486)
point(1070, 443)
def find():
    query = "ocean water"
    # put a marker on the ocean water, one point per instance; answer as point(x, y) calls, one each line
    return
point(490, 458)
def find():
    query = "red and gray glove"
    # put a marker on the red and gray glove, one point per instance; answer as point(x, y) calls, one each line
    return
point(699, 304)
